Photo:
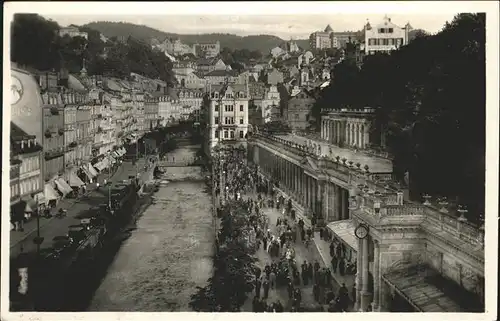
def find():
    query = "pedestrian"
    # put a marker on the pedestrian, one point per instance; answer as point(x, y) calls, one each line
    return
point(257, 287)
point(314, 220)
point(343, 297)
point(328, 278)
point(265, 286)
point(321, 233)
point(310, 271)
point(342, 266)
point(332, 249)
point(272, 278)
point(290, 288)
point(339, 250)
point(316, 292)
point(264, 242)
point(316, 268)
point(334, 261)
point(302, 234)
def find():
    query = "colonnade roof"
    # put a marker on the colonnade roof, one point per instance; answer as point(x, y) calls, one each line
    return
point(376, 164)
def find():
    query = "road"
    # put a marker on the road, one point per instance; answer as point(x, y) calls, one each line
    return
point(50, 228)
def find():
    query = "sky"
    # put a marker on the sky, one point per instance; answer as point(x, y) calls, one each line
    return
point(284, 19)
point(286, 27)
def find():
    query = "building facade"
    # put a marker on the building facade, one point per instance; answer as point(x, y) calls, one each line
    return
point(321, 39)
point(385, 36)
point(226, 115)
point(151, 113)
point(53, 138)
point(72, 31)
point(29, 153)
point(207, 50)
point(410, 256)
point(298, 110)
point(340, 39)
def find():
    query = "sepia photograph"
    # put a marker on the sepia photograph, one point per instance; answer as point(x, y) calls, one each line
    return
point(328, 162)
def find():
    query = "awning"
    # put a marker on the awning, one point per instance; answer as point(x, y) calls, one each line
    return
point(92, 169)
point(62, 186)
point(115, 154)
point(98, 166)
point(104, 163)
point(30, 203)
point(111, 159)
point(87, 172)
point(415, 284)
point(74, 180)
point(40, 198)
point(345, 231)
point(50, 193)
point(123, 151)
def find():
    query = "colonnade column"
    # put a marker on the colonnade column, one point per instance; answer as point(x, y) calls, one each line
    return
point(325, 197)
point(359, 269)
point(364, 278)
point(376, 276)
point(305, 189)
point(345, 199)
point(323, 129)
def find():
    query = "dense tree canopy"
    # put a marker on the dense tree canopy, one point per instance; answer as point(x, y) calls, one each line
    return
point(239, 55)
point(234, 265)
point(430, 99)
point(32, 33)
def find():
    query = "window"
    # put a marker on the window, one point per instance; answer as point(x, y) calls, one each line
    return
point(391, 30)
point(381, 30)
point(241, 134)
point(297, 117)
point(241, 107)
point(216, 120)
point(241, 120)
point(216, 108)
point(216, 134)
point(385, 42)
point(232, 134)
point(225, 134)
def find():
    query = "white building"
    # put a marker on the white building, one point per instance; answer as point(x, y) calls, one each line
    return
point(226, 113)
point(385, 36)
point(72, 31)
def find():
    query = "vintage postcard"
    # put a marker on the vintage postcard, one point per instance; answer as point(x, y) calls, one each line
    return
point(266, 157)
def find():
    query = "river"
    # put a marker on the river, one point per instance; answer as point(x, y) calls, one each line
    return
point(169, 254)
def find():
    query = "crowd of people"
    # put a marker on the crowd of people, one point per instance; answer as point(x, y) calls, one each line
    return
point(282, 271)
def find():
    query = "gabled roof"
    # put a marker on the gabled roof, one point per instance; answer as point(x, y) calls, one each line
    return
point(17, 134)
point(328, 28)
point(223, 88)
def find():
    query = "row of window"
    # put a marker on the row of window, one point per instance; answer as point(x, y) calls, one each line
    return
point(229, 108)
point(230, 95)
point(385, 42)
point(228, 120)
point(30, 165)
point(230, 134)
point(385, 30)
point(29, 185)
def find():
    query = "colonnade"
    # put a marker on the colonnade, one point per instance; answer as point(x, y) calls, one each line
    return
point(316, 194)
point(344, 132)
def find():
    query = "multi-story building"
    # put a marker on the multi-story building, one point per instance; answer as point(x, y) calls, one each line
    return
point(298, 109)
point(16, 206)
point(28, 151)
point(267, 103)
point(340, 39)
point(207, 50)
point(72, 31)
point(385, 36)
point(70, 139)
point(321, 39)
point(226, 114)
point(140, 127)
point(205, 66)
point(151, 112)
point(191, 100)
point(53, 137)
point(106, 124)
point(164, 109)
point(218, 77)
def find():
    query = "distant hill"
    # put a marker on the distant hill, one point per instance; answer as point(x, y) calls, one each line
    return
point(263, 43)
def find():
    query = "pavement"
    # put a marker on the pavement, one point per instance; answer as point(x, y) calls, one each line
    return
point(23, 242)
point(301, 254)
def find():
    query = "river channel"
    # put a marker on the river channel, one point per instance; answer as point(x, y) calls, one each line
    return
point(169, 254)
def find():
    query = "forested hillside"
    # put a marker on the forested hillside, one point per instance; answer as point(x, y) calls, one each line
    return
point(32, 33)
point(263, 43)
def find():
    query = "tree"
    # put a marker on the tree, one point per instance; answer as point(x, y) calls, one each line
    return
point(429, 98)
point(234, 265)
